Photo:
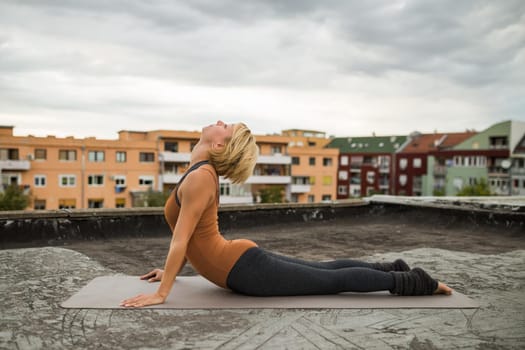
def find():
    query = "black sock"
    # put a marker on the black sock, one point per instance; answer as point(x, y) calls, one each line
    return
point(414, 282)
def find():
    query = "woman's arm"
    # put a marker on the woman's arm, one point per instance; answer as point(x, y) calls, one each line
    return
point(197, 194)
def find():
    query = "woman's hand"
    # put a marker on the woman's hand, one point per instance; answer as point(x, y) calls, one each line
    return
point(153, 275)
point(143, 300)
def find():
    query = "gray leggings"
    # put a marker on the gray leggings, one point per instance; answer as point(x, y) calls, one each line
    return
point(261, 273)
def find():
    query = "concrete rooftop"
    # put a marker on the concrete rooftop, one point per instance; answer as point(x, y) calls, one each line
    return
point(483, 260)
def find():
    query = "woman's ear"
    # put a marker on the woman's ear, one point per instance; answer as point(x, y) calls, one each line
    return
point(217, 146)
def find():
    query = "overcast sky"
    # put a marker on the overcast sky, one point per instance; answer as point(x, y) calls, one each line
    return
point(350, 68)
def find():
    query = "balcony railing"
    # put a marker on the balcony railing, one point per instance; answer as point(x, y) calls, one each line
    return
point(440, 170)
point(171, 178)
point(269, 179)
point(15, 165)
point(174, 157)
point(300, 188)
point(274, 159)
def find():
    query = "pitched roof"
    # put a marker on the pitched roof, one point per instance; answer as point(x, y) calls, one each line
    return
point(373, 144)
point(424, 143)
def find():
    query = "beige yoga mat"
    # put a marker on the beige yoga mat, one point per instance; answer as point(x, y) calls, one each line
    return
point(197, 293)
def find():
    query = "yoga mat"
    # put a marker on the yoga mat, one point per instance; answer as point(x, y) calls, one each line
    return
point(197, 293)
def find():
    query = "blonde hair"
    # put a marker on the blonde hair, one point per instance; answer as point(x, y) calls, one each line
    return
point(236, 160)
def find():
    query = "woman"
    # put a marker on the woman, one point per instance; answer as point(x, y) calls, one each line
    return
point(230, 150)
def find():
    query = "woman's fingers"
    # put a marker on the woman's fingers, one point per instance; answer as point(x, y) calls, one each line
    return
point(131, 301)
point(142, 300)
point(152, 273)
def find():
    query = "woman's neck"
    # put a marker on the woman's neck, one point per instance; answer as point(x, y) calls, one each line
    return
point(200, 152)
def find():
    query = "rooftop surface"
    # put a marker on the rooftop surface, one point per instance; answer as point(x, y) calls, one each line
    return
point(485, 262)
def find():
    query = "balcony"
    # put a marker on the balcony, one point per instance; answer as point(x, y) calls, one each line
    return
point(440, 170)
point(274, 159)
point(384, 168)
point(15, 165)
point(296, 188)
point(497, 172)
point(269, 180)
point(171, 178)
point(174, 157)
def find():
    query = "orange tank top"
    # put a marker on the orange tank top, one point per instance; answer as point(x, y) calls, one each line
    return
point(210, 254)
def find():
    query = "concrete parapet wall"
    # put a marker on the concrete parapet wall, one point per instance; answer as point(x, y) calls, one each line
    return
point(51, 227)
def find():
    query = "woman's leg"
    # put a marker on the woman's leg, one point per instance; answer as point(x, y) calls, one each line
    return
point(259, 273)
point(398, 265)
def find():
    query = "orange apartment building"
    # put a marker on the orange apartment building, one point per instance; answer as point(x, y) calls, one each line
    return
point(71, 173)
point(314, 168)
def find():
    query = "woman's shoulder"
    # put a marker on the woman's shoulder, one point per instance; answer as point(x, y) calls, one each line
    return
point(202, 178)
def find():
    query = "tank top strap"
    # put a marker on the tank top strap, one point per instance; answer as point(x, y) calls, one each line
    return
point(192, 168)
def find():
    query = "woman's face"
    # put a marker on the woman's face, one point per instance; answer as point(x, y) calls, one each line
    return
point(218, 133)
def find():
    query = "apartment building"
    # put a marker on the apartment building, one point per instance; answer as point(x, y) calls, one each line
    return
point(517, 171)
point(272, 167)
point(420, 168)
point(314, 167)
point(490, 155)
point(366, 164)
point(70, 173)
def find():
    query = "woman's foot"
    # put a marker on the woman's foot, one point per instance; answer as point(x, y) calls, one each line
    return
point(442, 288)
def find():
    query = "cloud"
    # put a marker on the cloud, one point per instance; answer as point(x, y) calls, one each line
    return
point(357, 66)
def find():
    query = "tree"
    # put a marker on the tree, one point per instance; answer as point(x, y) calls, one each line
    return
point(480, 188)
point(271, 194)
point(153, 199)
point(14, 198)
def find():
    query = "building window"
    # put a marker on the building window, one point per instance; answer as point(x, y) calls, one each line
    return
point(312, 143)
point(327, 180)
point(96, 156)
point(120, 202)
point(327, 161)
point(96, 203)
point(344, 160)
point(296, 160)
point(96, 180)
point(342, 190)
point(498, 142)
point(276, 150)
point(224, 189)
point(311, 198)
point(39, 204)
point(40, 154)
point(147, 157)
point(343, 175)
point(458, 183)
point(370, 177)
point(40, 180)
point(171, 146)
point(146, 180)
point(69, 155)
point(67, 180)
point(120, 180)
point(403, 163)
point(326, 197)
point(312, 180)
point(416, 162)
point(311, 160)
point(192, 146)
point(120, 157)
point(402, 180)
point(9, 154)
point(67, 203)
